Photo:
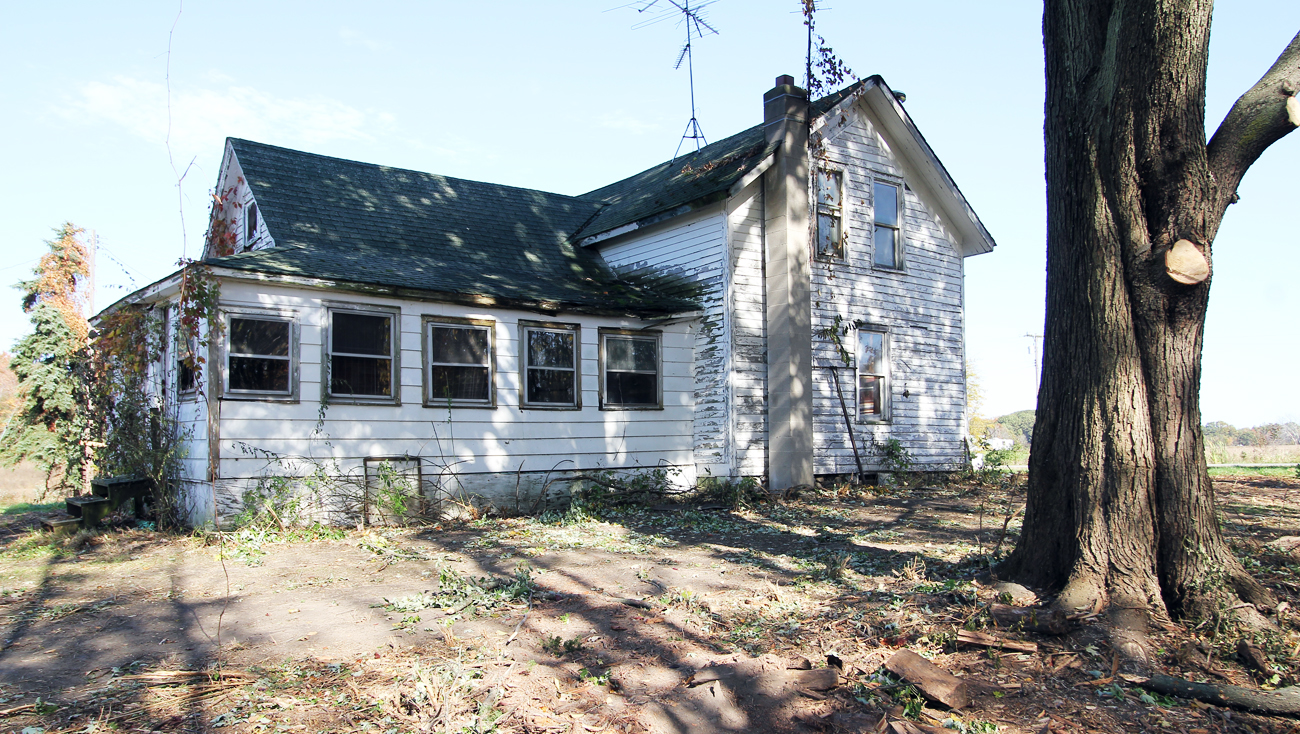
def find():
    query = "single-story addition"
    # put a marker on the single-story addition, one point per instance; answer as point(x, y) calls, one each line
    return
point(781, 304)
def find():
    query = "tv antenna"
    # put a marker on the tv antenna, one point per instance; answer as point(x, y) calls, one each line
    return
point(692, 17)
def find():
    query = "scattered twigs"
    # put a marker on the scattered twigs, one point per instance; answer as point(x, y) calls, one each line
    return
point(980, 639)
point(18, 709)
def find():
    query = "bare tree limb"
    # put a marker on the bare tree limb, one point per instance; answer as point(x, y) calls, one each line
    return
point(1257, 120)
point(1282, 701)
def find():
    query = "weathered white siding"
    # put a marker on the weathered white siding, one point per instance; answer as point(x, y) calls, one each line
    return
point(749, 331)
point(919, 305)
point(474, 449)
point(693, 246)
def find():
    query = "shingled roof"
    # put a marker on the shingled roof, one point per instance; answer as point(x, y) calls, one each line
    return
point(387, 227)
point(697, 178)
point(401, 230)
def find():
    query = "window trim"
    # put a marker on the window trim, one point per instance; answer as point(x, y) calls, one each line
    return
point(886, 383)
point(525, 327)
point(899, 230)
point(427, 323)
point(657, 338)
point(818, 209)
point(395, 346)
point(260, 314)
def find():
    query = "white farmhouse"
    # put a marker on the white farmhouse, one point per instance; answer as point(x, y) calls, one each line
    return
point(781, 304)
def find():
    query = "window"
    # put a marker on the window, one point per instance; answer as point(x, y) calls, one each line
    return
point(550, 364)
point(888, 235)
point(830, 213)
point(630, 370)
point(260, 352)
point(250, 226)
point(873, 374)
point(362, 355)
point(459, 363)
point(187, 362)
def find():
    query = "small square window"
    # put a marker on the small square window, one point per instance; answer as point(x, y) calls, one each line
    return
point(550, 363)
point(887, 237)
point(459, 361)
point(259, 355)
point(830, 213)
point(362, 354)
point(873, 373)
point(631, 374)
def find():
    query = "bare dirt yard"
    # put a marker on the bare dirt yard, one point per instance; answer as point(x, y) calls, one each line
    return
point(778, 616)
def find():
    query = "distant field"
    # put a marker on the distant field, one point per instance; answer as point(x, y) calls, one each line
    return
point(1289, 454)
point(20, 483)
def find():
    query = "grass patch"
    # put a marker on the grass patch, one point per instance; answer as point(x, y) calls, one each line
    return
point(23, 507)
point(1253, 471)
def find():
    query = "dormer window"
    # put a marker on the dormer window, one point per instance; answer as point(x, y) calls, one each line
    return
point(250, 226)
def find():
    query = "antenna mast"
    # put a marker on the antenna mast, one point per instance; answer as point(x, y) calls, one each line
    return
point(695, 23)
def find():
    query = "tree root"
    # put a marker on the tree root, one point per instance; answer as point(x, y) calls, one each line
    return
point(1284, 701)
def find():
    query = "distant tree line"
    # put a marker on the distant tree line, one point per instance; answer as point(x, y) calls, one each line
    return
point(1221, 433)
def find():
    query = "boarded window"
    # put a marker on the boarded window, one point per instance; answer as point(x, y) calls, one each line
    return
point(887, 236)
point(460, 364)
point(631, 371)
point(872, 375)
point(258, 355)
point(830, 214)
point(551, 366)
point(361, 354)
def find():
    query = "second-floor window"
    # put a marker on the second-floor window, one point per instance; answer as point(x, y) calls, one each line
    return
point(887, 238)
point(830, 213)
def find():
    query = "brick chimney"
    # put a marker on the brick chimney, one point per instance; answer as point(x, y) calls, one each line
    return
point(787, 250)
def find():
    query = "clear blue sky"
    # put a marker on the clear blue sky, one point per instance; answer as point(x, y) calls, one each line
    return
point(567, 97)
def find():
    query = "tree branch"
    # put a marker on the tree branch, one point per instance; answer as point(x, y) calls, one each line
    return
point(1257, 120)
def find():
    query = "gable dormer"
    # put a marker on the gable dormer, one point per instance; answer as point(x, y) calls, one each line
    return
point(237, 223)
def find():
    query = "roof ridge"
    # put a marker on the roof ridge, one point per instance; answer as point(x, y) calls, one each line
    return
point(366, 164)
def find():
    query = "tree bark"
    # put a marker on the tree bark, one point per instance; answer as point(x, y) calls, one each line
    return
point(1121, 507)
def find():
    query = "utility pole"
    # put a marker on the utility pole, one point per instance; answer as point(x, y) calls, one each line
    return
point(1033, 354)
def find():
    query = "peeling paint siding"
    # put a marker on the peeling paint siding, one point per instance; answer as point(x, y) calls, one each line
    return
point(921, 307)
point(460, 441)
point(693, 245)
point(749, 332)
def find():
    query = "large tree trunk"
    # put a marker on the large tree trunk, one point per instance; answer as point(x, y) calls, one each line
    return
point(1121, 507)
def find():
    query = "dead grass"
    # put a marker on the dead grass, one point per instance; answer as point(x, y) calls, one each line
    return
point(620, 614)
point(1287, 454)
point(21, 483)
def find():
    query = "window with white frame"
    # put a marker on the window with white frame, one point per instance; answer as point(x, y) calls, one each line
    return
point(873, 375)
point(887, 237)
point(829, 194)
point(459, 362)
point(362, 354)
point(550, 360)
point(260, 354)
point(630, 371)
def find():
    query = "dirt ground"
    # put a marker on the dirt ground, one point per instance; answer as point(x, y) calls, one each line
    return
point(656, 620)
